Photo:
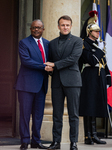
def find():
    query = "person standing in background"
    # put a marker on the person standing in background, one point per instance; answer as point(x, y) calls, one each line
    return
point(95, 78)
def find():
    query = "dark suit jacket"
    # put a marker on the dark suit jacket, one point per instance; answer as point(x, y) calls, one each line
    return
point(67, 69)
point(32, 74)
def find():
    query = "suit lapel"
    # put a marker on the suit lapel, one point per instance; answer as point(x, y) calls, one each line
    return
point(45, 47)
point(36, 48)
point(56, 46)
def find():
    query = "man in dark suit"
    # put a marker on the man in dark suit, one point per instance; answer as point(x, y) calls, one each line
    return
point(66, 80)
point(32, 83)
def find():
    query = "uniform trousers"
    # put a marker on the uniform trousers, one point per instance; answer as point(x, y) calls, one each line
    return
point(58, 96)
point(31, 103)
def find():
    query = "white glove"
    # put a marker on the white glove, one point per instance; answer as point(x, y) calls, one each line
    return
point(101, 45)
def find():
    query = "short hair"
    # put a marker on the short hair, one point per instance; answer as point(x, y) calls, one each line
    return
point(38, 20)
point(65, 17)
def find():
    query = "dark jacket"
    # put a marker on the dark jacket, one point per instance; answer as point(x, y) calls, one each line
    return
point(66, 69)
point(32, 74)
point(93, 99)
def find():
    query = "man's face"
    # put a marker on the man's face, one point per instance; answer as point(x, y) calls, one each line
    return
point(36, 29)
point(95, 34)
point(64, 26)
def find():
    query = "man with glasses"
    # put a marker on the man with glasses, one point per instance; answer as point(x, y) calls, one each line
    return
point(32, 83)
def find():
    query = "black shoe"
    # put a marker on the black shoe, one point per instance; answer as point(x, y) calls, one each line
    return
point(54, 145)
point(24, 146)
point(97, 140)
point(73, 146)
point(89, 141)
point(38, 145)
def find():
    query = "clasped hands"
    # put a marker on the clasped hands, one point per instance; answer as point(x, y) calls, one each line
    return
point(49, 66)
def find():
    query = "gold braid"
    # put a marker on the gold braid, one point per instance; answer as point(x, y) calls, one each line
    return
point(100, 66)
point(104, 64)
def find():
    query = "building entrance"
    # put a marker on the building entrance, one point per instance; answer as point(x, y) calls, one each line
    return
point(8, 65)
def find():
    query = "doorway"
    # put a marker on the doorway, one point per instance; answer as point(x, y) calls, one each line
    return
point(8, 65)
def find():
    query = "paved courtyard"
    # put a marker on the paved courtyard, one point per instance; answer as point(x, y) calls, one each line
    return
point(81, 146)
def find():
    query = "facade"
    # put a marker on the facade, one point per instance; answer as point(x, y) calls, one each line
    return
point(16, 17)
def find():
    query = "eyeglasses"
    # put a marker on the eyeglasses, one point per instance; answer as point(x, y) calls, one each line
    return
point(39, 28)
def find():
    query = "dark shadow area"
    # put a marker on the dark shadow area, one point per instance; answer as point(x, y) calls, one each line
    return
point(14, 141)
point(9, 141)
point(5, 126)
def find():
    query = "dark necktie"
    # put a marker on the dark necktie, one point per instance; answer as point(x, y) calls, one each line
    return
point(42, 51)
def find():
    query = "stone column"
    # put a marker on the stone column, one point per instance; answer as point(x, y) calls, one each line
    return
point(51, 11)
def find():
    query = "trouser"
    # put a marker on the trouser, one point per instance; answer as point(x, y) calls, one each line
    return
point(58, 96)
point(31, 103)
point(89, 126)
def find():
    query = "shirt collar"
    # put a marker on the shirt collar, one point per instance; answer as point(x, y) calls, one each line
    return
point(38, 39)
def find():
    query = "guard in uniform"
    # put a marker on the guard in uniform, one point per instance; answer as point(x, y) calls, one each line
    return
point(95, 78)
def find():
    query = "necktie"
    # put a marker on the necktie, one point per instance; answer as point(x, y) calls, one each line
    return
point(42, 51)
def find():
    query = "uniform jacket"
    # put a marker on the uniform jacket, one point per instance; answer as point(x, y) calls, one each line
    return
point(93, 99)
point(66, 71)
point(32, 74)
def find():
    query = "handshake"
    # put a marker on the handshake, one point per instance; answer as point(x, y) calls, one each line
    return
point(49, 66)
